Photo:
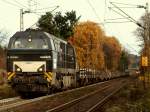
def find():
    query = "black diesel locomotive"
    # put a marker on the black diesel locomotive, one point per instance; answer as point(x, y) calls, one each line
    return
point(38, 62)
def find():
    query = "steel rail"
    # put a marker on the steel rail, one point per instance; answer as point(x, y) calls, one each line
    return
point(20, 103)
point(105, 96)
point(66, 105)
point(104, 100)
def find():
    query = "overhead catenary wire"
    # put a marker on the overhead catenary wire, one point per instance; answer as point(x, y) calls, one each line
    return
point(129, 5)
point(120, 14)
point(93, 9)
point(124, 4)
point(40, 15)
point(133, 20)
point(126, 7)
point(20, 4)
point(118, 21)
point(13, 4)
point(117, 18)
point(46, 8)
point(105, 10)
point(38, 12)
point(123, 12)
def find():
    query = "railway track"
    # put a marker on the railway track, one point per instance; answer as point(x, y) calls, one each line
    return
point(89, 102)
point(67, 101)
point(95, 107)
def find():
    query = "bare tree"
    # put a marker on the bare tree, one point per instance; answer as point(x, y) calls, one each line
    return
point(143, 34)
point(3, 43)
point(141, 31)
point(3, 37)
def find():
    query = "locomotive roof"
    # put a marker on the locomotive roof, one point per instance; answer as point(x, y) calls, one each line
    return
point(55, 38)
point(25, 34)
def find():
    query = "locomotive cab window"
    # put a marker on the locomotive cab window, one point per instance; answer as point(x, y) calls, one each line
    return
point(29, 43)
point(70, 57)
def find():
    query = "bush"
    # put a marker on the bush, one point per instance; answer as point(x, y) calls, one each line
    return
point(114, 109)
point(6, 92)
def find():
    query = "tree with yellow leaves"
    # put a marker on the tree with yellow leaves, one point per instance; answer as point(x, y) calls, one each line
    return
point(112, 50)
point(87, 40)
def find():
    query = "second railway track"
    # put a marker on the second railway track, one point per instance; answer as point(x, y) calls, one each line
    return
point(9, 100)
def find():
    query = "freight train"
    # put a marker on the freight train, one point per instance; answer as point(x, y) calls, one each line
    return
point(38, 62)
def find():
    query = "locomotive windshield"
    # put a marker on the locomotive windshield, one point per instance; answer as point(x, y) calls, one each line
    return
point(29, 43)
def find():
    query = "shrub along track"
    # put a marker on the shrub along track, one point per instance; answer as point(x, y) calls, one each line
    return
point(69, 100)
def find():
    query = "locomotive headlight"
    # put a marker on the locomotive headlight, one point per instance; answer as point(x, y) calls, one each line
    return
point(18, 69)
point(30, 40)
point(41, 68)
point(45, 57)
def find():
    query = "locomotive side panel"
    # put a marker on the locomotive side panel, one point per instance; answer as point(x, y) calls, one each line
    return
point(65, 72)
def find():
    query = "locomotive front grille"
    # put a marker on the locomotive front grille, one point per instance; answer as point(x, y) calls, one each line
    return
point(29, 66)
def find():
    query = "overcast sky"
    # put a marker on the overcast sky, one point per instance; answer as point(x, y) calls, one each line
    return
point(93, 10)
